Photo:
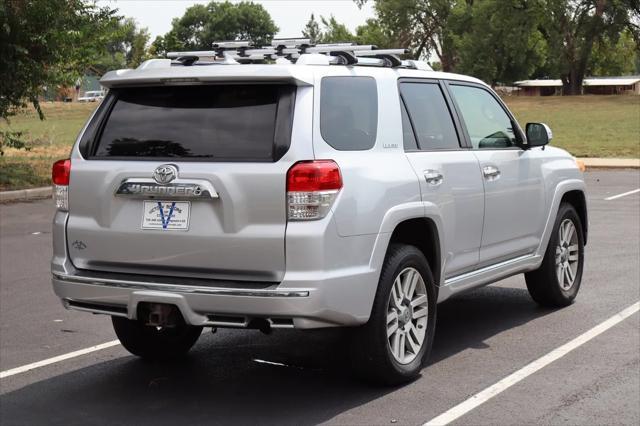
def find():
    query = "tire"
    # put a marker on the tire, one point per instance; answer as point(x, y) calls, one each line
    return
point(559, 263)
point(151, 343)
point(379, 358)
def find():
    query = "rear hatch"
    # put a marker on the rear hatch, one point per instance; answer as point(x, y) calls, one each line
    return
point(184, 181)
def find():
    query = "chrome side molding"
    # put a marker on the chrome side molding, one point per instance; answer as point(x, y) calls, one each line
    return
point(486, 269)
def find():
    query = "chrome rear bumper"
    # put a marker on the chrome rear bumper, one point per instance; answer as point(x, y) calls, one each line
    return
point(170, 287)
point(202, 305)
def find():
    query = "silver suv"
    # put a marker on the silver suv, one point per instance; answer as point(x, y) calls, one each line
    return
point(338, 187)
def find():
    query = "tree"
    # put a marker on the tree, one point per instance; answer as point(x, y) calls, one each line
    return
point(45, 44)
point(335, 32)
point(611, 58)
point(374, 32)
point(492, 51)
point(202, 25)
point(312, 30)
point(124, 47)
point(573, 27)
point(136, 46)
point(426, 26)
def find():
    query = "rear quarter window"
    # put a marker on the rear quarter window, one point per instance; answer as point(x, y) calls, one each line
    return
point(212, 123)
point(349, 112)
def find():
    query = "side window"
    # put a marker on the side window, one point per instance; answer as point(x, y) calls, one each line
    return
point(349, 112)
point(430, 116)
point(488, 124)
point(408, 137)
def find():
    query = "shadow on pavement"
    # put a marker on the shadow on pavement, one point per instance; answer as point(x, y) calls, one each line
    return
point(221, 383)
point(469, 320)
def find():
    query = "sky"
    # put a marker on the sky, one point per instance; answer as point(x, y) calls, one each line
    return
point(289, 15)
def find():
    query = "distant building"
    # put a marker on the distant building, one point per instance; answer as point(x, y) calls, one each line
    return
point(612, 86)
point(591, 85)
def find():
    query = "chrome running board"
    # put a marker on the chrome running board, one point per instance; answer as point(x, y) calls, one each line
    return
point(487, 275)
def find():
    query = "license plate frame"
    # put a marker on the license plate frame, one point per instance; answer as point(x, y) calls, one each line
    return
point(163, 215)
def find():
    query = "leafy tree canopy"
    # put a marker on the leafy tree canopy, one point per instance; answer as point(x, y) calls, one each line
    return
point(331, 31)
point(202, 25)
point(611, 57)
point(125, 46)
point(427, 27)
point(573, 28)
point(45, 44)
point(312, 30)
point(507, 40)
point(334, 32)
point(502, 43)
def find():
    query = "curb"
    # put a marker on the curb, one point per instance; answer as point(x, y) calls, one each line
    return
point(611, 163)
point(26, 194)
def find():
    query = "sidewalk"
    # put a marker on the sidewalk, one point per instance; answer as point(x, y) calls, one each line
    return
point(611, 163)
point(590, 163)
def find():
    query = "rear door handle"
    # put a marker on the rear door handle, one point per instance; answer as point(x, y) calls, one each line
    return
point(433, 177)
point(490, 172)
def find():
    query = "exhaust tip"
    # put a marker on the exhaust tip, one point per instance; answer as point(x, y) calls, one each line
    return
point(260, 324)
point(159, 314)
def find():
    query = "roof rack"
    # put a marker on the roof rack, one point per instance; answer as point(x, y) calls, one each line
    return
point(289, 50)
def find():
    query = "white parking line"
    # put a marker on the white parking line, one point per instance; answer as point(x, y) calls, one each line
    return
point(493, 390)
point(58, 358)
point(624, 194)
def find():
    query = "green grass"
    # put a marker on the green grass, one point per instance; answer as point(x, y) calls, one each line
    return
point(586, 126)
point(48, 140)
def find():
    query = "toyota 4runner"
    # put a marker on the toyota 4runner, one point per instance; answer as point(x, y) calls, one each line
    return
point(340, 186)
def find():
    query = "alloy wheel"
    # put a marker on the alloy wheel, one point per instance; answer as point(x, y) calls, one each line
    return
point(407, 315)
point(567, 254)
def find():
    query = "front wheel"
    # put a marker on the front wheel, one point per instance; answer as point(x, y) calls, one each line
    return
point(392, 347)
point(557, 281)
point(155, 343)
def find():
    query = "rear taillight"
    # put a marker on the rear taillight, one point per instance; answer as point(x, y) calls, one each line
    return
point(60, 176)
point(312, 186)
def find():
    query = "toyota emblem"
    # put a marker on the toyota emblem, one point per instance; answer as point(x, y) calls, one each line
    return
point(165, 173)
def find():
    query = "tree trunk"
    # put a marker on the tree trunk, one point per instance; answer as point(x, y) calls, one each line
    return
point(447, 61)
point(572, 82)
point(573, 86)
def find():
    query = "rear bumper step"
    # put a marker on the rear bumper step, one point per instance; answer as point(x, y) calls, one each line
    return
point(174, 288)
point(290, 304)
point(213, 320)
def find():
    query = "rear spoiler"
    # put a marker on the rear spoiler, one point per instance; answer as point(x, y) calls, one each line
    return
point(155, 74)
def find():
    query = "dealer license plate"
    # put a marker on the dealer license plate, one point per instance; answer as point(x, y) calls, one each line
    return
point(166, 215)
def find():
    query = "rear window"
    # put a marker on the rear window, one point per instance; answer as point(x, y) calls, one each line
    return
point(214, 123)
point(349, 112)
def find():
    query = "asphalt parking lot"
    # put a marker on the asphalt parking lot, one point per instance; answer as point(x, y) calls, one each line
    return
point(291, 377)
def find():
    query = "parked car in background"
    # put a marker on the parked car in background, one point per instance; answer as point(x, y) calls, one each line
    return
point(92, 96)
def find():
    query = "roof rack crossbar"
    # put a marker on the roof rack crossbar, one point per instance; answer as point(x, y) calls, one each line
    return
point(344, 53)
point(381, 52)
point(290, 42)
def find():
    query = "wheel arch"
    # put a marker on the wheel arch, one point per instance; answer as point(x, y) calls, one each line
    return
point(572, 191)
point(421, 233)
point(578, 200)
point(406, 223)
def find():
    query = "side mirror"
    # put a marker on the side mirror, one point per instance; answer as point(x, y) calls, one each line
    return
point(538, 134)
